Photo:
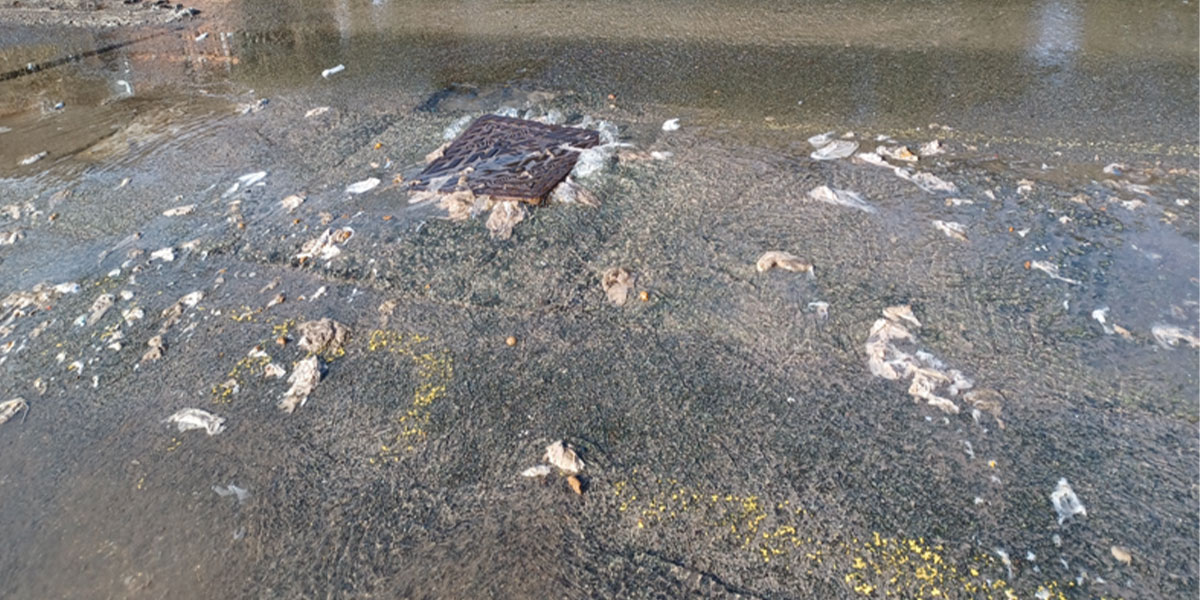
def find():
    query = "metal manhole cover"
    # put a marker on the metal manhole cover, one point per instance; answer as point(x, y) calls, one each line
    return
point(505, 157)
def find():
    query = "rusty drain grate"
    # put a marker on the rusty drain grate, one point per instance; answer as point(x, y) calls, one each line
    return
point(507, 158)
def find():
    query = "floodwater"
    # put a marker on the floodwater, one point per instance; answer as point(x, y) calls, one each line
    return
point(737, 437)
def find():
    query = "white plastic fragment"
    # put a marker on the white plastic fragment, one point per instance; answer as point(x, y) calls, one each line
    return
point(360, 187)
point(821, 308)
point(274, 370)
point(538, 471)
point(504, 216)
point(29, 160)
point(8, 238)
point(926, 181)
point(819, 140)
point(232, 490)
point(332, 71)
point(179, 211)
point(1168, 336)
point(838, 197)
point(250, 179)
point(1101, 315)
point(99, 307)
point(562, 455)
point(783, 260)
point(164, 254)
point(292, 202)
point(952, 229)
point(1065, 502)
point(670, 125)
point(193, 418)
point(901, 153)
point(901, 312)
point(303, 380)
point(9, 408)
point(872, 158)
point(617, 284)
point(1051, 269)
point(886, 359)
point(834, 150)
point(931, 148)
point(316, 112)
point(325, 247)
point(1004, 558)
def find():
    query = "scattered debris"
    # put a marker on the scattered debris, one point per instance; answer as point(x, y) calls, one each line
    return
point(194, 418)
point(576, 484)
point(617, 283)
point(133, 314)
point(323, 336)
point(232, 490)
point(164, 254)
point(822, 139)
point(1066, 503)
point(8, 238)
point(361, 187)
point(785, 261)
point(99, 307)
point(332, 71)
point(325, 247)
point(952, 229)
point(303, 380)
point(158, 346)
point(670, 125)
point(10, 408)
point(504, 216)
point(986, 401)
point(927, 373)
point(278, 299)
point(510, 341)
point(1005, 560)
point(822, 309)
point(41, 295)
point(931, 148)
point(316, 112)
point(835, 149)
point(1168, 336)
point(538, 471)
point(274, 370)
point(926, 181)
point(838, 197)
point(1122, 554)
point(901, 153)
point(901, 312)
point(179, 211)
point(570, 192)
point(1051, 270)
point(292, 202)
point(29, 160)
point(1101, 315)
point(173, 313)
point(460, 205)
point(562, 455)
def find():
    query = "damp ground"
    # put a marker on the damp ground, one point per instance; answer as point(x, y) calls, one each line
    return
point(735, 441)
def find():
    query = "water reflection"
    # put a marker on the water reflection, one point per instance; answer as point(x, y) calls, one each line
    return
point(1058, 28)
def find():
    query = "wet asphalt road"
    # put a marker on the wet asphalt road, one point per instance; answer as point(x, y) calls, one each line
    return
point(736, 442)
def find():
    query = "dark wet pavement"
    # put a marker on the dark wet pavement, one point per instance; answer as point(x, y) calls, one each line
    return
point(736, 442)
